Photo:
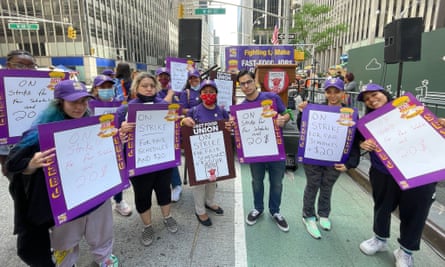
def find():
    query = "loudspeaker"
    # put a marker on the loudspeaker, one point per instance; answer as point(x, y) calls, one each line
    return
point(190, 38)
point(403, 40)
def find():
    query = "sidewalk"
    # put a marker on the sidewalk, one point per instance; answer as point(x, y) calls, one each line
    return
point(230, 242)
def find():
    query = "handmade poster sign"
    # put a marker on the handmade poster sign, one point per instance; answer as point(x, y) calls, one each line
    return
point(155, 143)
point(89, 165)
point(208, 150)
point(179, 68)
point(23, 95)
point(257, 138)
point(410, 141)
point(225, 90)
point(326, 134)
point(100, 107)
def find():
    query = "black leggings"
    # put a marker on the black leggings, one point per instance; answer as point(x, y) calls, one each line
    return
point(34, 246)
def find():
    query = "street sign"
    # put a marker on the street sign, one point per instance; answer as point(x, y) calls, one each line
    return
point(210, 11)
point(290, 36)
point(23, 26)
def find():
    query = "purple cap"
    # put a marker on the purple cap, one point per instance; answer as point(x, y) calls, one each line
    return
point(208, 83)
point(369, 88)
point(194, 73)
point(334, 82)
point(108, 72)
point(101, 79)
point(162, 70)
point(70, 90)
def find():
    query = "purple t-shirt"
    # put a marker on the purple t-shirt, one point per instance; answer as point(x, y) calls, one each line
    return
point(268, 95)
point(163, 93)
point(188, 100)
point(201, 114)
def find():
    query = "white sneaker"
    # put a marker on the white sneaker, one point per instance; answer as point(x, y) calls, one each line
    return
point(123, 208)
point(403, 259)
point(176, 193)
point(373, 245)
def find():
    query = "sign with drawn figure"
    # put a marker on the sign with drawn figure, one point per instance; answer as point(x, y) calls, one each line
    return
point(208, 152)
point(155, 143)
point(100, 107)
point(409, 141)
point(89, 166)
point(225, 90)
point(23, 95)
point(179, 68)
point(257, 137)
point(326, 134)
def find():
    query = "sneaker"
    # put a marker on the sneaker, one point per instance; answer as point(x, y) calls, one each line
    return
point(112, 261)
point(403, 259)
point(171, 224)
point(311, 227)
point(176, 193)
point(147, 235)
point(123, 208)
point(281, 222)
point(253, 216)
point(373, 245)
point(325, 223)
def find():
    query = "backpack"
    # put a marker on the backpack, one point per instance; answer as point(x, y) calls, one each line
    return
point(121, 93)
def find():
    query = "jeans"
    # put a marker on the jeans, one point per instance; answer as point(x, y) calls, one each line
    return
point(176, 178)
point(276, 173)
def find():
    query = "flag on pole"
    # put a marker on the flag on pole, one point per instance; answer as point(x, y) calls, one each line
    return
point(275, 40)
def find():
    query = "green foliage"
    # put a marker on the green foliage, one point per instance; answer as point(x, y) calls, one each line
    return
point(313, 26)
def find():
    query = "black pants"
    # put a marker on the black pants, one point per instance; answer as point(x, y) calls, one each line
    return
point(34, 246)
point(414, 205)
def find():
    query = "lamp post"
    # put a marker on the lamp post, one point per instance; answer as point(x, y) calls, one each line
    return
point(256, 21)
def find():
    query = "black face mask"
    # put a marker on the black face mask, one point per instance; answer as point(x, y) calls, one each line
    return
point(145, 98)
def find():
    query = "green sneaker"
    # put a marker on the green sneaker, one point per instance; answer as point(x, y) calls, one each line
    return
point(311, 227)
point(325, 223)
point(112, 261)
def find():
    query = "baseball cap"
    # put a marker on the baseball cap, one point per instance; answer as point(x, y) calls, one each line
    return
point(108, 72)
point(162, 70)
point(101, 79)
point(70, 90)
point(369, 88)
point(208, 83)
point(194, 73)
point(334, 82)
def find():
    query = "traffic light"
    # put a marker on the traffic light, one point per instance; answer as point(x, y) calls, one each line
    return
point(70, 32)
point(73, 36)
point(181, 11)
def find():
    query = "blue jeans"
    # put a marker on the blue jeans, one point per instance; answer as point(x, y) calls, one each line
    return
point(276, 173)
point(176, 178)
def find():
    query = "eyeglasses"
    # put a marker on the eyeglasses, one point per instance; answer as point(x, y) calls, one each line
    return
point(22, 66)
point(248, 82)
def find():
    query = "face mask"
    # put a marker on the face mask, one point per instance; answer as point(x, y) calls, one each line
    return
point(196, 88)
point(164, 82)
point(145, 98)
point(208, 99)
point(105, 94)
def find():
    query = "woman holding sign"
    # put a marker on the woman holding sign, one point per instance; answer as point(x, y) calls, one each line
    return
point(320, 180)
point(207, 111)
point(33, 214)
point(144, 88)
point(414, 204)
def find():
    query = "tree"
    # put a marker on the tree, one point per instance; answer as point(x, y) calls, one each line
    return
point(314, 26)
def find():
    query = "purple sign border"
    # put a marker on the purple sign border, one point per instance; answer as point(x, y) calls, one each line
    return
point(429, 118)
point(55, 192)
point(131, 146)
point(303, 132)
point(5, 138)
point(239, 146)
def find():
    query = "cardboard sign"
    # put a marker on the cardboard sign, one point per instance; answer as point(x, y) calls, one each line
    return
point(326, 134)
point(410, 141)
point(100, 107)
point(225, 90)
point(89, 166)
point(257, 137)
point(154, 143)
point(208, 150)
point(179, 68)
point(23, 95)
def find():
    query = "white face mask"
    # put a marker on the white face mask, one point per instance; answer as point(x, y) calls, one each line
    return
point(196, 88)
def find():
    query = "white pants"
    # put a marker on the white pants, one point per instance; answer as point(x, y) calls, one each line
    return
point(97, 227)
point(204, 194)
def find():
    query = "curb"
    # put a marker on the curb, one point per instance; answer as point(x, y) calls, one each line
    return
point(432, 234)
